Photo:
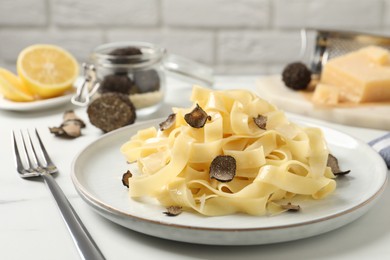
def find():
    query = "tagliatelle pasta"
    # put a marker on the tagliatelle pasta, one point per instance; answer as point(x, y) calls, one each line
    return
point(273, 164)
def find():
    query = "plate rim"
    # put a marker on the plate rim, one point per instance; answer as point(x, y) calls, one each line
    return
point(34, 105)
point(96, 203)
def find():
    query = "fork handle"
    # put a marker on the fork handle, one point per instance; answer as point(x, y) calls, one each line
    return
point(86, 246)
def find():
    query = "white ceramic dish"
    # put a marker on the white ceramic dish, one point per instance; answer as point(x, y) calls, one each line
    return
point(371, 115)
point(98, 169)
point(35, 105)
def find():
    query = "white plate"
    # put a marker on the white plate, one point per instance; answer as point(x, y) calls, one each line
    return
point(6, 104)
point(97, 173)
point(371, 115)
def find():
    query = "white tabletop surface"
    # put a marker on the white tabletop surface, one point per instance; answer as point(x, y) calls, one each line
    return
point(31, 226)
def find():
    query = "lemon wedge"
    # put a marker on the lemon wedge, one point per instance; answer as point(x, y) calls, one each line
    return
point(47, 70)
point(12, 88)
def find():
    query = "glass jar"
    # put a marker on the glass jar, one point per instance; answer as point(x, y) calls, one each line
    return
point(137, 69)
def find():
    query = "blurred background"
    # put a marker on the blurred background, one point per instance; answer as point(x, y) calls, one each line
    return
point(233, 36)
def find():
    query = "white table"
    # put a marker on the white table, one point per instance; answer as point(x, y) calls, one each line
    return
point(31, 226)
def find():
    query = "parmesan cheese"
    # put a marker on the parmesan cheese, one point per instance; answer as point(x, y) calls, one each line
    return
point(360, 76)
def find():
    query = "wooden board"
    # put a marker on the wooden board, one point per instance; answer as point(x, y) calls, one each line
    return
point(273, 89)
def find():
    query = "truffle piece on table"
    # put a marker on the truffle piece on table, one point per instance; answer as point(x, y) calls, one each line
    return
point(70, 126)
point(111, 111)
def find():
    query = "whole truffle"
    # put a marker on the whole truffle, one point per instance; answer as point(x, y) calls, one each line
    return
point(126, 51)
point(124, 56)
point(116, 83)
point(147, 80)
point(296, 76)
point(111, 111)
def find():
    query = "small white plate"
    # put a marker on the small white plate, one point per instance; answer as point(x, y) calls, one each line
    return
point(97, 172)
point(6, 104)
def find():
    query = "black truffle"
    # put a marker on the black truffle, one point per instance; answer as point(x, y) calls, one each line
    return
point(126, 51)
point(261, 121)
point(116, 83)
point(125, 178)
point(146, 80)
point(333, 163)
point(168, 123)
point(296, 76)
point(111, 111)
point(291, 207)
point(223, 168)
point(173, 211)
point(197, 117)
point(124, 56)
point(70, 127)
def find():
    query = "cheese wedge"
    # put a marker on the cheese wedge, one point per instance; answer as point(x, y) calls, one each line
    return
point(361, 76)
point(326, 95)
point(377, 55)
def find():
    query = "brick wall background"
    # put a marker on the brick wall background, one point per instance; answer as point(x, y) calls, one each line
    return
point(233, 36)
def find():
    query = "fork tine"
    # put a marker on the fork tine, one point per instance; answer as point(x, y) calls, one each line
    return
point(35, 164)
point(33, 157)
point(31, 160)
point(49, 164)
point(43, 149)
point(19, 164)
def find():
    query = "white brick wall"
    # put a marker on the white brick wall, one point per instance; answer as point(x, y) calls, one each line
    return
point(216, 13)
point(233, 36)
point(178, 41)
point(23, 13)
point(84, 13)
point(337, 14)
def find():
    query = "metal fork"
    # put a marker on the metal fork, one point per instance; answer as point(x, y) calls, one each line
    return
point(42, 166)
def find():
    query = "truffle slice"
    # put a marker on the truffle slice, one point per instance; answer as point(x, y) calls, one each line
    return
point(111, 111)
point(125, 178)
point(168, 123)
point(70, 127)
point(116, 83)
point(173, 211)
point(296, 76)
point(291, 207)
point(197, 117)
point(146, 80)
point(333, 163)
point(261, 121)
point(223, 168)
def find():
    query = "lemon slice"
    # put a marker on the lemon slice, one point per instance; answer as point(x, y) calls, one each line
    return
point(47, 70)
point(12, 87)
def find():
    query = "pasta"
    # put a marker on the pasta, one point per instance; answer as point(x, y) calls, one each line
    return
point(274, 163)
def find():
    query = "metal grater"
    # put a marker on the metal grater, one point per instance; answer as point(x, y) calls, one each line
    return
point(330, 44)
